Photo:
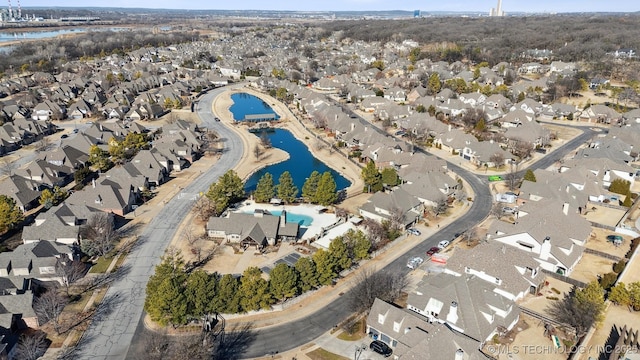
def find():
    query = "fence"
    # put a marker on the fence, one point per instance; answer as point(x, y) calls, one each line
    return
point(602, 254)
point(566, 327)
point(566, 279)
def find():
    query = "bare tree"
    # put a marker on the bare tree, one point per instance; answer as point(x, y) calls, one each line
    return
point(99, 235)
point(264, 140)
point(497, 159)
point(496, 210)
point(512, 177)
point(370, 285)
point(7, 167)
point(204, 208)
point(470, 235)
point(43, 145)
point(32, 346)
point(70, 272)
point(375, 230)
point(396, 217)
point(441, 206)
point(48, 307)
point(521, 148)
point(257, 152)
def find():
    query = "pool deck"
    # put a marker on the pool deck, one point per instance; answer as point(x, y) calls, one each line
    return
point(320, 220)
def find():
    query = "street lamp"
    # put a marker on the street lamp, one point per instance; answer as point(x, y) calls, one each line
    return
point(359, 350)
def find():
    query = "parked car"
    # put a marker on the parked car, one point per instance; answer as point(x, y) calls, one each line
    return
point(64, 136)
point(414, 262)
point(508, 210)
point(414, 231)
point(432, 251)
point(381, 348)
point(443, 244)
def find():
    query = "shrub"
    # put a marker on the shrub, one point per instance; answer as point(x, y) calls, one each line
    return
point(555, 290)
point(607, 280)
point(552, 298)
point(619, 266)
point(634, 245)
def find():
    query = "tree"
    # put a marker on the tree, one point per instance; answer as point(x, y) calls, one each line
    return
point(31, 346)
point(325, 266)
point(372, 178)
point(257, 152)
point(200, 289)
point(369, 285)
point(283, 282)
point(254, 290)
point(81, 175)
point(69, 272)
point(390, 176)
point(326, 194)
point(580, 308)
point(287, 190)
point(512, 178)
point(634, 295)
point(310, 187)
point(620, 186)
point(228, 190)
point(341, 254)
point(265, 141)
point(204, 208)
point(358, 244)
point(228, 297)
point(434, 85)
point(265, 189)
point(99, 235)
point(46, 199)
point(529, 176)
point(497, 159)
point(620, 295)
point(48, 307)
point(99, 158)
point(165, 302)
point(627, 200)
point(307, 275)
point(10, 213)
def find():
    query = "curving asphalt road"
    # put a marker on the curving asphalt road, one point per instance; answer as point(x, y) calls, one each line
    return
point(297, 333)
point(110, 336)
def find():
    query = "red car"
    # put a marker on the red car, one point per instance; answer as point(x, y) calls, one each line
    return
point(432, 251)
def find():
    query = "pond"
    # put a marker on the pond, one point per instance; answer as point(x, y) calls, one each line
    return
point(245, 104)
point(300, 164)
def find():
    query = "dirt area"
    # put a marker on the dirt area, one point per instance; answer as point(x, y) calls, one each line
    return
point(598, 241)
point(615, 315)
point(527, 340)
point(603, 215)
point(555, 289)
point(590, 266)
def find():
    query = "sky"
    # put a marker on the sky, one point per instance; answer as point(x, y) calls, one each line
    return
point(343, 5)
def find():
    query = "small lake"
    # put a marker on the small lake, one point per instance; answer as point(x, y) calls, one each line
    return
point(245, 104)
point(9, 36)
point(300, 164)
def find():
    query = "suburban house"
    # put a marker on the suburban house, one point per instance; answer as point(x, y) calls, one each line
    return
point(24, 191)
point(258, 229)
point(412, 336)
point(430, 187)
point(397, 205)
point(554, 233)
point(36, 261)
point(514, 272)
point(467, 304)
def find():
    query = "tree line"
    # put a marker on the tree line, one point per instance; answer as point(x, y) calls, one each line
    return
point(175, 295)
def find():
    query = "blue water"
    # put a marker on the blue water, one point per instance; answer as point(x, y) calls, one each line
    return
point(8, 36)
point(300, 164)
point(245, 104)
point(303, 220)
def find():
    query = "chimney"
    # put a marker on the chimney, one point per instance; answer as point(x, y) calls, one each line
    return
point(565, 208)
point(452, 316)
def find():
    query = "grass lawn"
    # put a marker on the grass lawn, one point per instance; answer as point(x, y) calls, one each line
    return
point(101, 265)
point(356, 332)
point(322, 354)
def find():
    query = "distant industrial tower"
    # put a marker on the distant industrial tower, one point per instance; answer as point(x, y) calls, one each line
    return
point(417, 13)
point(498, 10)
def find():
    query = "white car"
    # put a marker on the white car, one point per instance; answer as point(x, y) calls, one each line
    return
point(443, 244)
point(414, 231)
point(414, 262)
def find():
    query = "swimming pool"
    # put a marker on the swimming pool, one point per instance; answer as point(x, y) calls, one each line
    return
point(302, 220)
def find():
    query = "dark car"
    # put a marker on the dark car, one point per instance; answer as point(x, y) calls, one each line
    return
point(381, 348)
point(432, 251)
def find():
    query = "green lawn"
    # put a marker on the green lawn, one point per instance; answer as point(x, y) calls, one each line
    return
point(322, 354)
point(101, 265)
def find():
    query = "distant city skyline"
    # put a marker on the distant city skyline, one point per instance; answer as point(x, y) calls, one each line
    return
point(479, 6)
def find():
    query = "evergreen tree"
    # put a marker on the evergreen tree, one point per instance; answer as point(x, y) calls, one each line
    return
point(254, 290)
point(46, 198)
point(390, 176)
point(227, 300)
point(434, 85)
point(325, 266)
point(372, 178)
point(10, 213)
point(326, 194)
point(620, 186)
point(340, 253)
point(620, 295)
point(287, 190)
point(283, 282)
point(310, 187)
point(359, 244)
point(265, 190)
point(634, 295)
point(627, 200)
point(200, 290)
point(165, 302)
point(228, 190)
point(307, 275)
point(99, 158)
point(581, 308)
point(529, 176)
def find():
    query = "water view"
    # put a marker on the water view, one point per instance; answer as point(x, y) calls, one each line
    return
point(300, 164)
point(6, 37)
point(245, 104)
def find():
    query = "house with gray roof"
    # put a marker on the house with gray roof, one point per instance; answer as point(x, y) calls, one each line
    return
point(467, 304)
point(24, 191)
point(35, 260)
point(106, 196)
point(430, 187)
point(383, 206)
point(16, 312)
point(46, 173)
point(258, 229)
point(551, 231)
point(514, 271)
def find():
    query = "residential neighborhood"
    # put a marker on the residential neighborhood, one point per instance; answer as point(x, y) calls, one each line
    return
point(516, 198)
